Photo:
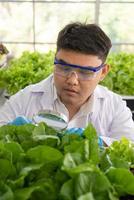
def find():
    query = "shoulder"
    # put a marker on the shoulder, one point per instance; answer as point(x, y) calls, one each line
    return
point(39, 87)
point(34, 90)
point(104, 92)
point(109, 99)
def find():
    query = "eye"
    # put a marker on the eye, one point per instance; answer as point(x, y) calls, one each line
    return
point(86, 72)
point(62, 67)
point(59, 66)
point(66, 68)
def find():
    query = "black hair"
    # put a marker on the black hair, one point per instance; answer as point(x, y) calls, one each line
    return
point(84, 38)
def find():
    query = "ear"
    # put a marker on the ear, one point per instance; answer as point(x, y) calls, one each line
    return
point(105, 71)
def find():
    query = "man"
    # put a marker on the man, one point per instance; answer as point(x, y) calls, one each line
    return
point(73, 88)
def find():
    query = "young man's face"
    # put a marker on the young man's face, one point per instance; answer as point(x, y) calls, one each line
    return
point(70, 88)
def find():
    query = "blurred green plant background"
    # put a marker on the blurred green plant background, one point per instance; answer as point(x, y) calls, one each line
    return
point(121, 76)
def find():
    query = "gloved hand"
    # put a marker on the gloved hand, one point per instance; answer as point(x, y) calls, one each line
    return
point(79, 131)
point(100, 142)
point(21, 120)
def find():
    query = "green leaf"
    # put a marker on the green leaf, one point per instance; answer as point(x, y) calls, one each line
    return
point(122, 179)
point(5, 192)
point(91, 147)
point(92, 181)
point(76, 169)
point(30, 168)
point(72, 160)
point(44, 154)
point(67, 190)
point(88, 196)
point(44, 129)
point(25, 193)
point(6, 169)
point(15, 149)
point(16, 183)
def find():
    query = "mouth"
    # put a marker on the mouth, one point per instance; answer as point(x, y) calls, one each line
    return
point(71, 91)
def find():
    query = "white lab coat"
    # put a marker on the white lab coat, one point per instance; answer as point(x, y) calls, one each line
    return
point(107, 111)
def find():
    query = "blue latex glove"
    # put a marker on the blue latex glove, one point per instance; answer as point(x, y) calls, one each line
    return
point(100, 142)
point(20, 121)
point(79, 131)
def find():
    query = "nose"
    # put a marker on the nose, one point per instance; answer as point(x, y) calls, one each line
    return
point(72, 78)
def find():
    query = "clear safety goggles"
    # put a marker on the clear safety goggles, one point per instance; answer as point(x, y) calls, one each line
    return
point(83, 72)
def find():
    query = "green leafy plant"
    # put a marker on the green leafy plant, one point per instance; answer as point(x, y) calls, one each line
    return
point(121, 76)
point(38, 162)
point(28, 69)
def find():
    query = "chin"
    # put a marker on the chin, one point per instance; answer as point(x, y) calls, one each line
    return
point(69, 101)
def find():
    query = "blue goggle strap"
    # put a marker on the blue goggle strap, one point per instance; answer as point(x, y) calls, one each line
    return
point(94, 69)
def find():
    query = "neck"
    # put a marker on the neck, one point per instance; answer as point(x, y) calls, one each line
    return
point(72, 110)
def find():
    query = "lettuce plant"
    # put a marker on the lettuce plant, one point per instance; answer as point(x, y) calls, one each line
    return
point(38, 162)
